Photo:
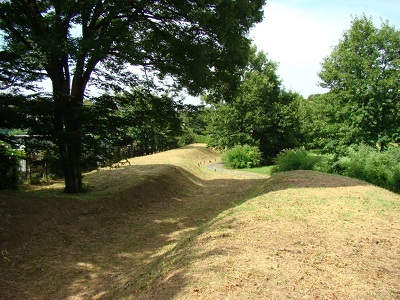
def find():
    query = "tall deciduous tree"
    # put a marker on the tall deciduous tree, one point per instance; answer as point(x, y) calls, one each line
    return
point(78, 43)
point(323, 123)
point(363, 73)
point(262, 114)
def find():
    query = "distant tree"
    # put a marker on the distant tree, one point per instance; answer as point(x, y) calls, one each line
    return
point(143, 118)
point(363, 74)
point(140, 120)
point(152, 121)
point(324, 124)
point(262, 114)
point(193, 124)
point(78, 43)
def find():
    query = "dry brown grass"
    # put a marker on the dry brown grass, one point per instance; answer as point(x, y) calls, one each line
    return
point(309, 236)
point(165, 228)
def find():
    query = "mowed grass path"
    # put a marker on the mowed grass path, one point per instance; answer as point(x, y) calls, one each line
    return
point(165, 228)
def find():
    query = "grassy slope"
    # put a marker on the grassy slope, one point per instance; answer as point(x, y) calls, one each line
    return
point(308, 236)
point(164, 228)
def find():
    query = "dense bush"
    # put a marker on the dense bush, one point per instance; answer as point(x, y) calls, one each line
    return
point(9, 159)
point(394, 179)
point(298, 159)
point(240, 157)
point(381, 168)
point(363, 162)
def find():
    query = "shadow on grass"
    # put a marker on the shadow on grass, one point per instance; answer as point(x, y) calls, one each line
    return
point(124, 236)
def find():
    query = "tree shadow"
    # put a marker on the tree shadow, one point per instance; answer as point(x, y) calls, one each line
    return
point(311, 179)
point(165, 283)
point(102, 247)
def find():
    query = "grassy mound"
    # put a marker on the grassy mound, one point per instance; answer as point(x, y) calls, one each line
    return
point(308, 236)
point(166, 227)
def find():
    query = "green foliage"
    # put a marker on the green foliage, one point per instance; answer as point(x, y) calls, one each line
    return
point(9, 159)
point(193, 124)
point(240, 157)
point(394, 178)
point(266, 170)
point(297, 159)
point(36, 179)
point(203, 139)
point(323, 124)
point(151, 119)
point(187, 137)
point(363, 162)
point(262, 114)
point(32, 113)
point(363, 105)
point(381, 168)
point(77, 44)
point(134, 123)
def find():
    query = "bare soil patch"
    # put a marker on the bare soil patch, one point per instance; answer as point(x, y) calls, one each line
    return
point(165, 228)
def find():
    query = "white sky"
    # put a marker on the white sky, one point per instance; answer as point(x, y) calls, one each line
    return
point(298, 34)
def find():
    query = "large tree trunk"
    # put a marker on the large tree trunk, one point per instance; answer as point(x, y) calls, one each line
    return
point(72, 167)
point(68, 125)
point(70, 148)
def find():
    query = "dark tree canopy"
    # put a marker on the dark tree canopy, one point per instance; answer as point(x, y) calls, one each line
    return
point(194, 41)
point(76, 43)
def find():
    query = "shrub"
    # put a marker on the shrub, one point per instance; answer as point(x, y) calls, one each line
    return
point(297, 159)
point(353, 164)
point(240, 157)
point(381, 168)
point(394, 179)
point(9, 159)
point(36, 179)
point(363, 162)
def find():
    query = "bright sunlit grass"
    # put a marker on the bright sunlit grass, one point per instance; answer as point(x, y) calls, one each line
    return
point(266, 170)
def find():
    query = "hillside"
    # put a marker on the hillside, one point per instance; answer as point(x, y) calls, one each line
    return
point(167, 227)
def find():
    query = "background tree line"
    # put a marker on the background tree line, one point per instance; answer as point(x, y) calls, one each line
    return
point(363, 103)
point(356, 124)
point(362, 107)
point(76, 44)
point(261, 113)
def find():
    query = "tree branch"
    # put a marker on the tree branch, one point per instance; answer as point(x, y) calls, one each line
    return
point(14, 31)
point(31, 11)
